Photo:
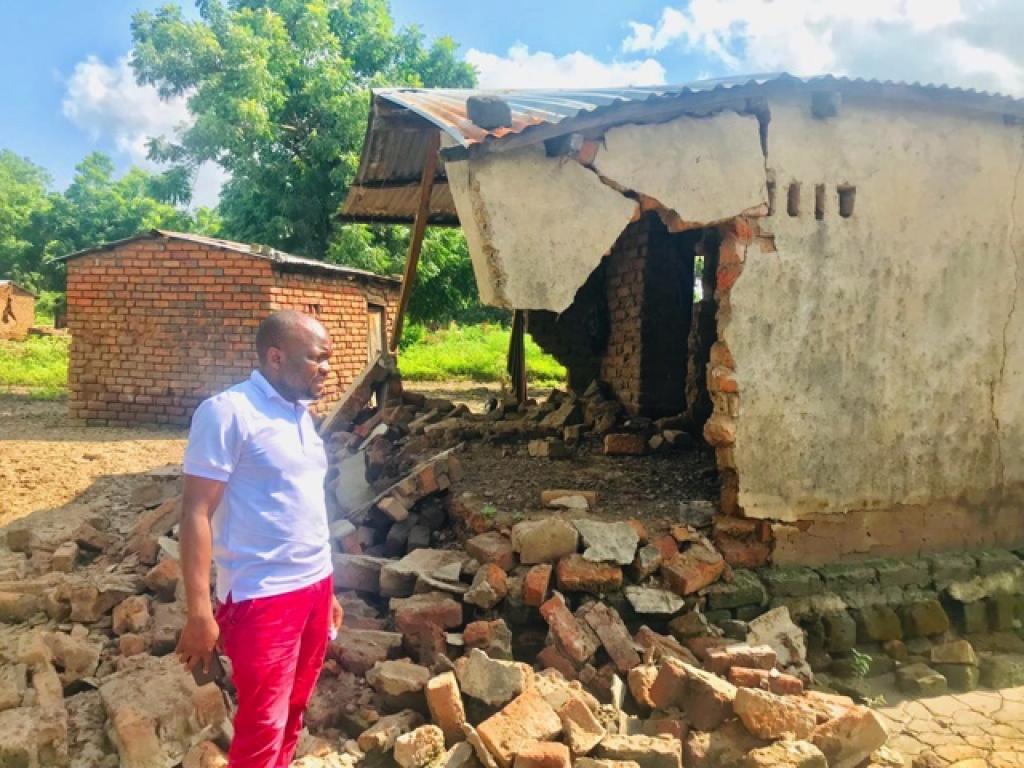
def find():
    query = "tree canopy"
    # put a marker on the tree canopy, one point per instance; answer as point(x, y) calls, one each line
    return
point(279, 93)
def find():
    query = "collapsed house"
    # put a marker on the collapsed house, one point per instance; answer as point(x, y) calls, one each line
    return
point(854, 356)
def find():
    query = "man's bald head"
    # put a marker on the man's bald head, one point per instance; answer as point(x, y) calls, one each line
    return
point(283, 328)
point(294, 350)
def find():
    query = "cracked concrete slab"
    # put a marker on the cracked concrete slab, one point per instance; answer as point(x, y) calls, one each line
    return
point(705, 169)
point(536, 226)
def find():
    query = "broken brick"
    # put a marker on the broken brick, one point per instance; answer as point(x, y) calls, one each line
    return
point(576, 639)
point(413, 614)
point(692, 570)
point(527, 719)
point(536, 583)
point(543, 754)
point(490, 585)
point(771, 717)
point(766, 679)
point(444, 701)
point(625, 444)
point(552, 658)
point(612, 632)
point(575, 574)
point(492, 547)
point(721, 660)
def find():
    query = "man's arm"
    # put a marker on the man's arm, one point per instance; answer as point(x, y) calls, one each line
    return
point(199, 637)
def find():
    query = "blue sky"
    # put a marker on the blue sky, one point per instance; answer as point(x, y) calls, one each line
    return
point(67, 91)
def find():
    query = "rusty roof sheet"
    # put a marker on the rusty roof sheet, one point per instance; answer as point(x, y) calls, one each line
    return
point(260, 252)
point(446, 107)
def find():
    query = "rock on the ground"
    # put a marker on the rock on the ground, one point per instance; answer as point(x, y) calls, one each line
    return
point(776, 629)
point(654, 601)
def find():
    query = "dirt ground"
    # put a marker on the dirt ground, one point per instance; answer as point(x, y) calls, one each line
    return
point(48, 463)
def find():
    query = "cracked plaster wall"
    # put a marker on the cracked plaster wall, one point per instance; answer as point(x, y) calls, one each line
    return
point(870, 350)
point(537, 226)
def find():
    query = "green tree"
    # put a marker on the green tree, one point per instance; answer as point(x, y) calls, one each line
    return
point(25, 201)
point(279, 92)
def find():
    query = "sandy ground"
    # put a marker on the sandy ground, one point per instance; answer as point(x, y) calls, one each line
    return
point(48, 463)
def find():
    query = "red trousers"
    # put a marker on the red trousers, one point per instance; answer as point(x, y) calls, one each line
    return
point(276, 646)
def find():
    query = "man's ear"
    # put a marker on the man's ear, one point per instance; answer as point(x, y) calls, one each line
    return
point(274, 357)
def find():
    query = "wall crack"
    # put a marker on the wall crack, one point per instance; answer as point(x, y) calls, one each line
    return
point(998, 381)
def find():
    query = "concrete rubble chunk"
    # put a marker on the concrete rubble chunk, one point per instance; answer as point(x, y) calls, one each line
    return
point(725, 746)
point(383, 734)
point(920, 680)
point(461, 755)
point(786, 754)
point(420, 747)
point(608, 542)
point(358, 572)
point(150, 730)
point(483, 754)
point(777, 630)
point(132, 615)
point(654, 601)
point(490, 585)
point(545, 540)
point(396, 678)
point(398, 577)
point(360, 649)
point(645, 751)
point(771, 717)
point(444, 700)
point(583, 731)
point(491, 681)
point(557, 690)
point(849, 739)
point(574, 637)
point(526, 719)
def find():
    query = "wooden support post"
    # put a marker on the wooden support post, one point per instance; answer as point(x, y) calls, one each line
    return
point(419, 227)
point(517, 356)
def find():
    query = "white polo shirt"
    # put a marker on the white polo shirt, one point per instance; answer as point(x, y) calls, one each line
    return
point(270, 531)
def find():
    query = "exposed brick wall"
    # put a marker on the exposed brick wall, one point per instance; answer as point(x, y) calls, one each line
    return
point(159, 325)
point(17, 312)
point(624, 280)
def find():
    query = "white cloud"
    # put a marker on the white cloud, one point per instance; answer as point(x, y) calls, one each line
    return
point(107, 103)
point(522, 69)
point(972, 43)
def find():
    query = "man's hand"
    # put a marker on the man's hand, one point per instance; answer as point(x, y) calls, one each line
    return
point(337, 614)
point(198, 639)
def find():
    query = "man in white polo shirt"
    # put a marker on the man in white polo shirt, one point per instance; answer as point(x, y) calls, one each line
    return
point(254, 503)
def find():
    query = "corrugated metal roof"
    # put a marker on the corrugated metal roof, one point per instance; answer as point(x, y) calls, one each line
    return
point(259, 252)
point(402, 119)
point(446, 108)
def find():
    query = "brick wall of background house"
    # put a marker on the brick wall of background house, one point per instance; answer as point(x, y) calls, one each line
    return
point(342, 306)
point(157, 326)
point(21, 317)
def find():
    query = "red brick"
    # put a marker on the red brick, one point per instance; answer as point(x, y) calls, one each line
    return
point(536, 584)
point(543, 754)
point(768, 680)
point(577, 640)
point(575, 574)
point(694, 569)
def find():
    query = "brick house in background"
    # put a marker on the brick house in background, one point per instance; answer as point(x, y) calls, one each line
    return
point(162, 320)
point(17, 310)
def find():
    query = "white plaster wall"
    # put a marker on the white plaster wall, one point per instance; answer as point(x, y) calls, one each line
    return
point(870, 350)
point(706, 169)
point(536, 226)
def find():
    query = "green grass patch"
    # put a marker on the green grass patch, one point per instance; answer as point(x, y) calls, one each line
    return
point(37, 366)
point(473, 353)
